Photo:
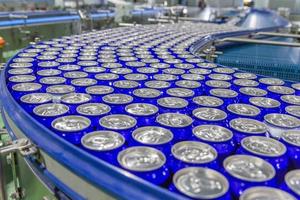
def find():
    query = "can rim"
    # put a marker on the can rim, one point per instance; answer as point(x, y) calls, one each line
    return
point(135, 133)
point(70, 116)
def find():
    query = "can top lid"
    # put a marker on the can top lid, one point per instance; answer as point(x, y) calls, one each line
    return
point(117, 98)
point(193, 77)
point(52, 80)
point(188, 84)
point(152, 135)
point(22, 78)
point(291, 99)
point(200, 183)
point(247, 125)
point(278, 89)
point(26, 87)
point(194, 152)
point(209, 114)
point(244, 75)
point(146, 93)
point(128, 84)
point(225, 93)
point(292, 179)
point(292, 137)
point(93, 109)
point(36, 98)
point(263, 146)
point(282, 120)
point(249, 168)
point(212, 133)
point(271, 81)
point(99, 89)
point(264, 102)
point(293, 110)
point(245, 82)
point(50, 110)
point(141, 159)
point(172, 102)
point(157, 84)
point(71, 123)
point(118, 122)
point(76, 98)
point(243, 109)
point(265, 193)
point(220, 77)
point(165, 77)
point(83, 82)
point(252, 91)
point(141, 109)
point(180, 92)
point(296, 86)
point(49, 72)
point(208, 101)
point(102, 140)
point(218, 84)
point(175, 120)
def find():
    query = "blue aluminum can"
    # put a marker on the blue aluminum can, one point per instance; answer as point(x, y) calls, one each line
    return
point(104, 144)
point(125, 86)
point(75, 99)
point(243, 110)
point(82, 83)
point(98, 91)
point(287, 100)
point(117, 102)
point(279, 123)
point(291, 183)
point(244, 75)
point(265, 193)
point(201, 183)
point(71, 127)
point(106, 78)
point(277, 91)
point(46, 113)
point(172, 105)
point(245, 171)
point(177, 123)
point(265, 82)
point(213, 84)
point(270, 150)
point(193, 154)
point(206, 101)
point(296, 87)
point(146, 95)
point(266, 105)
point(57, 91)
point(244, 127)
point(227, 95)
point(219, 137)
point(153, 136)
point(292, 141)
point(144, 113)
point(123, 124)
point(20, 89)
point(248, 92)
point(181, 93)
point(145, 162)
point(205, 115)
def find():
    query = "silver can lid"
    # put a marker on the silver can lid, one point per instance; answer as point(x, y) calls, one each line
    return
point(212, 133)
point(220, 77)
point(93, 109)
point(283, 90)
point(99, 90)
point(263, 146)
point(208, 101)
point(264, 102)
point(200, 183)
point(75, 74)
point(69, 67)
point(291, 99)
point(146, 93)
point(49, 72)
point(243, 109)
point(184, 66)
point(118, 122)
point(141, 109)
point(75, 98)
point(249, 168)
point(147, 70)
point(152, 135)
point(26, 87)
point(165, 77)
point(251, 91)
point(111, 65)
point(265, 193)
point(94, 69)
point(36, 98)
point(52, 80)
point(71, 123)
point(292, 179)
point(157, 84)
point(293, 110)
point(292, 137)
point(296, 86)
point(245, 83)
point(22, 78)
point(271, 81)
point(172, 102)
point(224, 93)
point(102, 140)
point(218, 84)
point(207, 65)
point(136, 77)
point(20, 71)
point(200, 71)
point(126, 84)
point(180, 92)
point(141, 159)
point(121, 71)
point(173, 71)
point(282, 120)
point(244, 75)
point(48, 64)
point(174, 120)
point(188, 84)
point(60, 89)
point(84, 82)
point(194, 152)
point(50, 110)
point(117, 99)
point(20, 65)
point(193, 77)
point(209, 114)
point(247, 125)
point(224, 70)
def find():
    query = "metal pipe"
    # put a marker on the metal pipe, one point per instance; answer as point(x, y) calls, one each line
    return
point(256, 41)
point(279, 34)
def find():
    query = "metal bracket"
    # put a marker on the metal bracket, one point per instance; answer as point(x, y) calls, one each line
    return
point(23, 146)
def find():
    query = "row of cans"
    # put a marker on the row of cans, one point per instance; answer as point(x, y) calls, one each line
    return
point(140, 100)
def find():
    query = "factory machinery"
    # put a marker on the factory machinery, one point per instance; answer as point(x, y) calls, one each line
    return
point(143, 113)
